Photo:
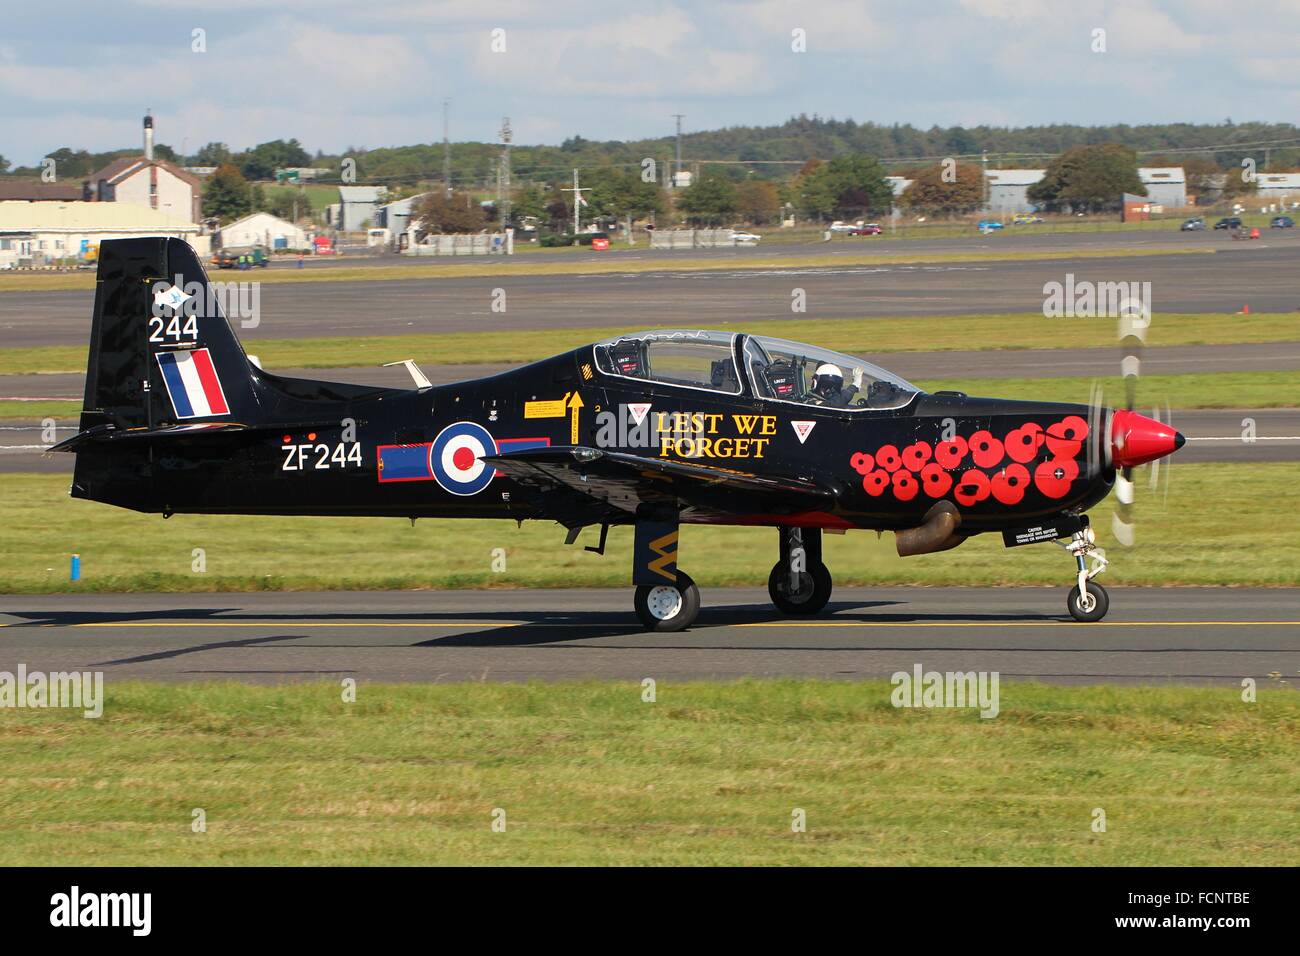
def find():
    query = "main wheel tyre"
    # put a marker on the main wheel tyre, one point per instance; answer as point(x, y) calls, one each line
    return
point(668, 607)
point(1093, 607)
point(809, 597)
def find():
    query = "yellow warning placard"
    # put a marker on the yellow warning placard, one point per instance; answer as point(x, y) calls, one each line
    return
point(552, 409)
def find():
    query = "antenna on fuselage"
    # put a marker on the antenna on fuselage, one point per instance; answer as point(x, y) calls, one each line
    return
point(421, 381)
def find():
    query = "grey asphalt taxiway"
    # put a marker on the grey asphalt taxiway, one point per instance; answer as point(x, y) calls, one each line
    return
point(1224, 278)
point(1152, 636)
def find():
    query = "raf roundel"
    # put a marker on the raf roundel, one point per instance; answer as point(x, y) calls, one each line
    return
point(456, 458)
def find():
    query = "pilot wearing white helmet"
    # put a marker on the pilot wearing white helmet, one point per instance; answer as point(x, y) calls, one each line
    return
point(828, 386)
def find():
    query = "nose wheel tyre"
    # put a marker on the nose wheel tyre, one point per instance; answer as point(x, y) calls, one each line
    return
point(809, 597)
point(668, 607)
point(1092, 607)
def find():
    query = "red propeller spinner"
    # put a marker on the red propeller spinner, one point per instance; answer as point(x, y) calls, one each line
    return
point(1136, 439)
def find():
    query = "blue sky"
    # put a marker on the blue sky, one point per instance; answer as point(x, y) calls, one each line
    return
point(340, 73)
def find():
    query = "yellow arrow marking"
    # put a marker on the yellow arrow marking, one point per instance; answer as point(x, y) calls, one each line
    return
point(575, 403)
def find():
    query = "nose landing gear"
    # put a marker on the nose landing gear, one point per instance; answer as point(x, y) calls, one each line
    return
point(1088, 601)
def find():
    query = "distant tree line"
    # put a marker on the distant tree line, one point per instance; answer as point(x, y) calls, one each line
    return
point(816, 168)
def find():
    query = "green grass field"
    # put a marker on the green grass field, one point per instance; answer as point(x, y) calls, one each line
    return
point(865, 336)
point(1223, 524)
point(708, 774)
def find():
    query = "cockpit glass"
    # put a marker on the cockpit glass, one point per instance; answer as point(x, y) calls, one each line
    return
point(693, 359)
point(793, 372)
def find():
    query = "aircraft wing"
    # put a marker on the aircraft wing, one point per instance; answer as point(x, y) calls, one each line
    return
point(621, 482)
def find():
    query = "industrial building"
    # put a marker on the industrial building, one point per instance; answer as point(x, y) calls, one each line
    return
point(1008, 188)
point(396, 216)
point(1278, 187)
point(35, 234)
point(1166, 185)
point(356, 208)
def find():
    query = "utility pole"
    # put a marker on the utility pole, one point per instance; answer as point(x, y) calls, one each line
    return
point(577, 201)
point(504, 204)
point(677, 171)
point(446, 150)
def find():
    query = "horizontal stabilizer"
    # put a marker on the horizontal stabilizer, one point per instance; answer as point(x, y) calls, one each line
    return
point(108, 434)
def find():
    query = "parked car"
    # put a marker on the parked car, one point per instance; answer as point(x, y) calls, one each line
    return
point(600, 241)
point(1195, 224)
point(986, 224)
point(1025, 219)
point(870, 229)
point(745, 237)
point(1282, 222)
point(840, 226)
point(1228, 222)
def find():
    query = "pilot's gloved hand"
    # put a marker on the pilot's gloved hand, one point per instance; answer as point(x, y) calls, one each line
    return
point(857, 378)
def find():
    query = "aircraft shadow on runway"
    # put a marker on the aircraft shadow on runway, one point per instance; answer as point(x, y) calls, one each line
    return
point(533, 628)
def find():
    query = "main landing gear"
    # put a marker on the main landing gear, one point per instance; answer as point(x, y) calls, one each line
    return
point(1088, 600)
point(668, 600)
point(799, 583)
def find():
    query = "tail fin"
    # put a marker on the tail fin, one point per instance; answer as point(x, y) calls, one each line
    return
point(161, 350)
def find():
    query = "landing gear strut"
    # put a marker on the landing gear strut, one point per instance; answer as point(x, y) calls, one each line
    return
point(1088, 600)
point(666, 597)
point(799, 583)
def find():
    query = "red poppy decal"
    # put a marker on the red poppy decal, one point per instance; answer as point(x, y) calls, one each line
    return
point(1010, 483)
point(916, 455)
point(1022, 443)
point(1065, 438)
point(875, 483)
point(905, 486)
point(1053, 476)
point(888, 458)
point(985, 450)
point(935, 481)
point(1003, 468)
point(972, 487)
point(950, 453)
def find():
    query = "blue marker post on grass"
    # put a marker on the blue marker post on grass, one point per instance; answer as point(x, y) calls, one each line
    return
point(76, 568)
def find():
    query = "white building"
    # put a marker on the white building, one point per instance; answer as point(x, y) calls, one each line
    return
point(34, 233)
point(1008, 189)
point(145, 181)
point(1278, 187)
point(356, 208)
point(1166, 185)
point(264, 229)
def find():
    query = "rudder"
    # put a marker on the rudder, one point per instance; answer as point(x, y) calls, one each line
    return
point(161, 350)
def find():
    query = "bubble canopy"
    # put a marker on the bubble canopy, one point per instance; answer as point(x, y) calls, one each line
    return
point(771, 368)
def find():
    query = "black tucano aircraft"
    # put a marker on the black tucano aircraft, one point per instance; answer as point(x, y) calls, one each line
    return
point(651, 429)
